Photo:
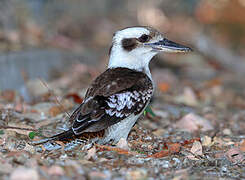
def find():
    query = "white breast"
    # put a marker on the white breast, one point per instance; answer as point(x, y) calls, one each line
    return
point(120, 130)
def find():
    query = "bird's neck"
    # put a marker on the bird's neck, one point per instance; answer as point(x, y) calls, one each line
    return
point(130, 61)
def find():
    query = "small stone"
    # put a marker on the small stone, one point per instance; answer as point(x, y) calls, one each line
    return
point(224, 169)
point(177, 162)
point(148, 138)
point(22, 173)
point(165, 164)
point(227, 132)
point(95, 175)
point(91, 153)
point(188, 97)
point(159, 132)
point(136, 174)
point(56, 170)
point(122, 143)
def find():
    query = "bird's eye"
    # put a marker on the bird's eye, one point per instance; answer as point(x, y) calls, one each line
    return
point(144, 38)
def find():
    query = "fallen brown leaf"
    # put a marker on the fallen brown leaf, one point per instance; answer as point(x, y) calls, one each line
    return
point(191, 141)
point(192, 122)
point(116, 149)
point(172, 149)
point(196, 150)
point(76, 98)
point(242, 146)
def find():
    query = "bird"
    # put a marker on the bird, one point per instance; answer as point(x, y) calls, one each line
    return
point(118, 97)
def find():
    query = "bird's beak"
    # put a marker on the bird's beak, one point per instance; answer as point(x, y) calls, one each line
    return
point(168, 46)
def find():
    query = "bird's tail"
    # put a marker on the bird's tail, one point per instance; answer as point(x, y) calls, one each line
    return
point(64, 136)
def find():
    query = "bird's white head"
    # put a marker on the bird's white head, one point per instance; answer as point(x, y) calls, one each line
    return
point(134, 47)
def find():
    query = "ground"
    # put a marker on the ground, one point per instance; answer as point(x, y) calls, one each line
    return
point(192, 129)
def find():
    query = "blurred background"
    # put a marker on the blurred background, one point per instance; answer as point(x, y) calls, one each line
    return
point(51, 39)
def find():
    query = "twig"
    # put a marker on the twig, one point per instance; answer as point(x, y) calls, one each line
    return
point(61, 107)
point(13, 127)
point(116, 149)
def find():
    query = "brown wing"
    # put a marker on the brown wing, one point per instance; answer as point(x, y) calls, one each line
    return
point(113, 96)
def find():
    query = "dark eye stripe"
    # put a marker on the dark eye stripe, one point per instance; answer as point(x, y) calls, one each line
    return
point(144, 38)
point(129, 44)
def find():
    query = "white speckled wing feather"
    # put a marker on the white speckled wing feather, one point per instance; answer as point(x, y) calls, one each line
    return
point(113, 96)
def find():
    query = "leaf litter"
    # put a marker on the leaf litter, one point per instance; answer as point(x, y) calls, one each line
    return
point(172, 136)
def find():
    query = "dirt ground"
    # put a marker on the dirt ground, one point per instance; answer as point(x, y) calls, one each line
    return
point(194, 131)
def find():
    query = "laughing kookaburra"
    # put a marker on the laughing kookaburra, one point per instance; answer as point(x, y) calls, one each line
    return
point(116, 98)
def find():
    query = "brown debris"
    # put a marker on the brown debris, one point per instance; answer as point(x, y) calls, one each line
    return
point(242, 146)
point(234, 155)
point(172, 149)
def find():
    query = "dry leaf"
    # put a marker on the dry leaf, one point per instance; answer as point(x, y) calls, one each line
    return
point(207, 141)
point(172, 149)
point(242, 146)
point(196, 150)
point(192, 122)
point(76, 98)
point(91, 153)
